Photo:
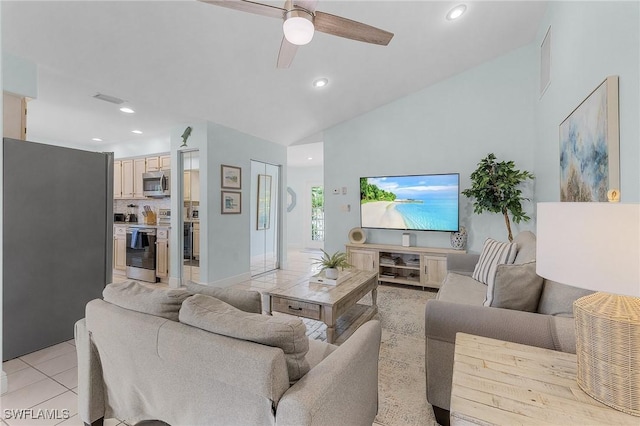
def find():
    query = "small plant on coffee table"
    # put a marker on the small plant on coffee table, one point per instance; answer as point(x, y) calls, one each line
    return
point(331, 262)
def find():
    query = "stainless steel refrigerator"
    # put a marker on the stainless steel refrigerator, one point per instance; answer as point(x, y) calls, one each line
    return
point(57, 243)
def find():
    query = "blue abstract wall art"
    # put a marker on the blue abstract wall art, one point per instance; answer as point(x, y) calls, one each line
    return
point(590, 145)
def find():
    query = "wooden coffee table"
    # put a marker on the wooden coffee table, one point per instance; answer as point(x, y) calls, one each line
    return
point(323, 302)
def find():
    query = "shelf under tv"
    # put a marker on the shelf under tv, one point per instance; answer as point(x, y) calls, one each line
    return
point(429, 273)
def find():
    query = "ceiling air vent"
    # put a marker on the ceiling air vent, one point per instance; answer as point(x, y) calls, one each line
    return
point(108, 98)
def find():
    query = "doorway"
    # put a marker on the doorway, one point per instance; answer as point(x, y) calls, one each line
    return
point(265, 217)
point(314, 216)
point(190, 161)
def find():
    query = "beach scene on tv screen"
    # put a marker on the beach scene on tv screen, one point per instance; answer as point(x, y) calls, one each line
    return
point(427, 202)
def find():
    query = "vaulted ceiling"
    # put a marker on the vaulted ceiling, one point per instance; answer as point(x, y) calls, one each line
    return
point(177, 62)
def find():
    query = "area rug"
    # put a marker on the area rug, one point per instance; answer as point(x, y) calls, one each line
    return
point(401, 375)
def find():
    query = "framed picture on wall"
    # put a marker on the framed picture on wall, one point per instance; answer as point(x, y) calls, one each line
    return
point(231, 202)
point(230, 176)
point(590, 146)
point(264, 202)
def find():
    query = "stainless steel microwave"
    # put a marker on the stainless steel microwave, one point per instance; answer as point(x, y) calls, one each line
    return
point(156, 184)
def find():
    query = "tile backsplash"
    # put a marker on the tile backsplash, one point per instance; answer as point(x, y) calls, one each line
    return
point(120, 206)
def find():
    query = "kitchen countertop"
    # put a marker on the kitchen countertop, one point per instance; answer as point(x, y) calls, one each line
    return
point(140, 225)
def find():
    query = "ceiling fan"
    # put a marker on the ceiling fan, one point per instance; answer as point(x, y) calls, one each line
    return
point(300, 19)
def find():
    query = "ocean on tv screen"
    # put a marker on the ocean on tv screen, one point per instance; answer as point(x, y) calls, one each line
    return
point(424, 202)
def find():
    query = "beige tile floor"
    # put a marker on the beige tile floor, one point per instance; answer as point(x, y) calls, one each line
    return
point(46, 381)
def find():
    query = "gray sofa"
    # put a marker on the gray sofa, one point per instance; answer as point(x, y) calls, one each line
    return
point(142, 361)
point(458, 307)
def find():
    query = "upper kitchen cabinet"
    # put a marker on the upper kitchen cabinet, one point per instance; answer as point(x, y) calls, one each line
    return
point(127, 174)
point(127, 178)
point(158, 163)
point(192, 185)
point(14, 116)
point(139, 168)
point(128, 182)
point(117, 179)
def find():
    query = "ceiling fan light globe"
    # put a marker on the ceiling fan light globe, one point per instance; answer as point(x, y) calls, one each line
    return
point(298, 30)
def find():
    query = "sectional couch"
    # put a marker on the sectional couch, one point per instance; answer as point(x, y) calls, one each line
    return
point(187, 358)
point(539, 314)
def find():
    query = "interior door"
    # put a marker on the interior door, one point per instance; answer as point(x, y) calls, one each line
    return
point(265, 217)
point(58, 241)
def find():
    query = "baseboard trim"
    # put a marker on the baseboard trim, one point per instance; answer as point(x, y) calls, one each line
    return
point(226, 282)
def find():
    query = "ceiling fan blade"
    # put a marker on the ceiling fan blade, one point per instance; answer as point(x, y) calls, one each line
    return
point(249, 6)
point(343, 27)
point(286, 54)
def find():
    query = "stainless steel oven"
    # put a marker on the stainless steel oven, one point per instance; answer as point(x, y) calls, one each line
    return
point(141, 254)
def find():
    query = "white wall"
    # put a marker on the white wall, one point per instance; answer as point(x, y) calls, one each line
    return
point(299, 179)
point(495, 107)
point(445, 128)
point(229, 236)
point(19, 76)
point(589, 41)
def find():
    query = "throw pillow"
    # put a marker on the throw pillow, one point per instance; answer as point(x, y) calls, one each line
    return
point(494, 253)
point(161, 302)
point(245, 300)
point(216, 316)
point(515, 287)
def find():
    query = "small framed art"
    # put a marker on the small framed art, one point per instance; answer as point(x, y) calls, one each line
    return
point(231, 202)
point(231, 177)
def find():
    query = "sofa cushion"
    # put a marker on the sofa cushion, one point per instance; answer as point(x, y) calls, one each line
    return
point(216, 316)
point(526, 241)
point(161, 302)
point(493, 253)
point(462, 289)
point(245, 300)
point(515, 287)
point(557, 299)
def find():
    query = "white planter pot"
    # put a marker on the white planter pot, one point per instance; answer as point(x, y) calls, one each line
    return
point(331, 273)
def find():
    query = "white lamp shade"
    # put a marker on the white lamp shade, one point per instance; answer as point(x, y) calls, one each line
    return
point(298, 30)
point(595, 246)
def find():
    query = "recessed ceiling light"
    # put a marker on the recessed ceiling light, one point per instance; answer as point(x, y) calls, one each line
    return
point(127, 110)
point(137, 132)
point(456, 12)
point(96, 139)
point(309, 158)
point(321, 82)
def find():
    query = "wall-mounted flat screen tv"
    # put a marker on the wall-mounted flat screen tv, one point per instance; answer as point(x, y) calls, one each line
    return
point(416, 202)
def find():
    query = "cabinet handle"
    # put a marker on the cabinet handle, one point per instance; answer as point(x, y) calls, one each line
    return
point(291, 308)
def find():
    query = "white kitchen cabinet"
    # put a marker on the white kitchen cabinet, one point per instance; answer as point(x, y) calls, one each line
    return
point(119, 247)
point(139, 168)
point(162, 253)
point(14, 116)
point(131, 177)
point(196, 240)
point(117, 179)
point(127, 178)
point(158, 163)
point(165, 162)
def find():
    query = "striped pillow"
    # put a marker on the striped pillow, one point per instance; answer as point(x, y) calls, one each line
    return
point(494, 253)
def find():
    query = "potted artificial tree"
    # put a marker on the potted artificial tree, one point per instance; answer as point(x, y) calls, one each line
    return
point(494, 185)
point(331, 263)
